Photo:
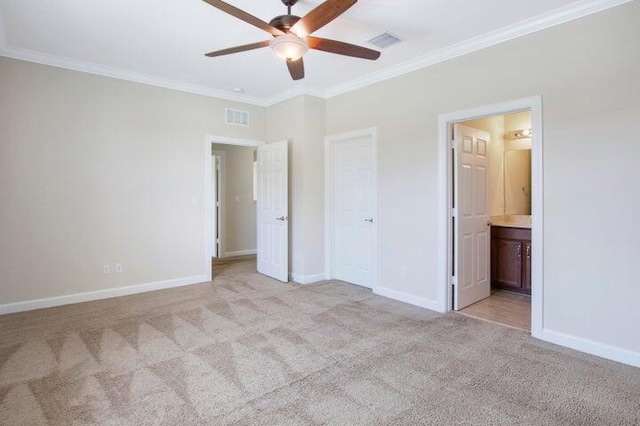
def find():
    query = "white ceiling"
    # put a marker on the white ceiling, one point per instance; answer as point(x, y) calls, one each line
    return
point(163, 41)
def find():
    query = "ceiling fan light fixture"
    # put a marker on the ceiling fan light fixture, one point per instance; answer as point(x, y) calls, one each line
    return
point(289, 47)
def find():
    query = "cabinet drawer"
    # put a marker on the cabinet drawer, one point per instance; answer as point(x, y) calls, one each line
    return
point(521, 234)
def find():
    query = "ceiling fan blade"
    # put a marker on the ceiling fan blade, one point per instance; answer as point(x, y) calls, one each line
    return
point(238, 49)
point(246, 17)
point(342, 48)
point(296, 69)
point(321, 16)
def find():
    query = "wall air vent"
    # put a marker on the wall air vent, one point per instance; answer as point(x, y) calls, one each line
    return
point(236, 117)
point(385, 40)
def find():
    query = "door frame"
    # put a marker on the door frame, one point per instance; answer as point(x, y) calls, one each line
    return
point(208, 191)
point(445, 194)
point(329, 217)
point(222, 159)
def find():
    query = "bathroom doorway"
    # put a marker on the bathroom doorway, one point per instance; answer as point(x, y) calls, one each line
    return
point(493, 168)
point(507, 173)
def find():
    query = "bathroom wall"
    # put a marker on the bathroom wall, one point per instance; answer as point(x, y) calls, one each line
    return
point(517, 165)
point(517, 121)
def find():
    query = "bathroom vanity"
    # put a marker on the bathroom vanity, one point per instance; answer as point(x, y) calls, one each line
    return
point(511, 253)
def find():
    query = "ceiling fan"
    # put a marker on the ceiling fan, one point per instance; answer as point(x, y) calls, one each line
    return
point(291, 34)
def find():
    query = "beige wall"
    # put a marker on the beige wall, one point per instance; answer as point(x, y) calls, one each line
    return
point(301, 121)
point(313, 204)
point(97, 171)
point(239, 219)
point(587, 72)
point(285, 122)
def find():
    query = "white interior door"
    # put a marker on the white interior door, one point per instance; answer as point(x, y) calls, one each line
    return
point(471, 230)
point(354, 206)
point(273, 210)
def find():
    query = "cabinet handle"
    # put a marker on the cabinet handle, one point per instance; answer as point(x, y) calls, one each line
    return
point(528, 252)
point(519, 250)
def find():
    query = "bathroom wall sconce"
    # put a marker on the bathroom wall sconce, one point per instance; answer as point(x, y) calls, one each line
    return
point(519, 134)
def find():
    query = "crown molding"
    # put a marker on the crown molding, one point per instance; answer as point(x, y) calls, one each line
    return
point(556, 17)
point(290, 94)
point(136, 77)
point(492, 38)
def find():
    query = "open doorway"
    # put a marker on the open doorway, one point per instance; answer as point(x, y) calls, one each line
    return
point(499, 187)
point(491, 234)
point(234, 205)
point(247, 205)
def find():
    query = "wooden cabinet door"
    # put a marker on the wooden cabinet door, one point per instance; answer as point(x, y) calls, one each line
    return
point(506, 262)
point(526, 266)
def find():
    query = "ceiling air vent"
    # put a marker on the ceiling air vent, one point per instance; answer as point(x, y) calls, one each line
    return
point(385, 40)
point(237, 117)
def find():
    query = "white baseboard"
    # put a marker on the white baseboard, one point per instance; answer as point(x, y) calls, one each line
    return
point(308, 279)
point(240, 253)
point(602, 350)
point(411, 299)
point(90, 296)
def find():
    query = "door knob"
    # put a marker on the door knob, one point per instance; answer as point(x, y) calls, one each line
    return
point(370, 220)
point(282, 218)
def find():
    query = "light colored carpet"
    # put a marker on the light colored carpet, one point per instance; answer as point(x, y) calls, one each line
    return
point(248, 350)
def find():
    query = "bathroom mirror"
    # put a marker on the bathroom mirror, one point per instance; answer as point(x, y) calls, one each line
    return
point(517, 182)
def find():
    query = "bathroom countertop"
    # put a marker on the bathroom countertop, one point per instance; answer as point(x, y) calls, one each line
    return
point(512, 221)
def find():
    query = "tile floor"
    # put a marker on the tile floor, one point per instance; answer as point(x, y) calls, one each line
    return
point(503, 307)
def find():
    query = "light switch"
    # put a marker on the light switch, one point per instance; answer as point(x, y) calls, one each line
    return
point(194, 201)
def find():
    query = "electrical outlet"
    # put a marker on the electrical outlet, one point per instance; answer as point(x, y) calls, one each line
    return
point(118, 268)
point(403, 271)
point(106, 269)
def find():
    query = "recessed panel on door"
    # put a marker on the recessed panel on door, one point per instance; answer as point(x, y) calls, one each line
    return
point(273, 205)
point(471, 229)
point(353, 211)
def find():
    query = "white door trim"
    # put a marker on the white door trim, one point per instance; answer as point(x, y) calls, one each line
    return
point(534, 104)
point(208, 191)
point(222, 158)
point(329, 144)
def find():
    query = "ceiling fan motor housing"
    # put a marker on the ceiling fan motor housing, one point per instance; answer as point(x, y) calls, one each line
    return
point(284, 22)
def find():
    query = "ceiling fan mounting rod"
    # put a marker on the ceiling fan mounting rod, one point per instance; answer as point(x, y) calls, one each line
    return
point(289, 3)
